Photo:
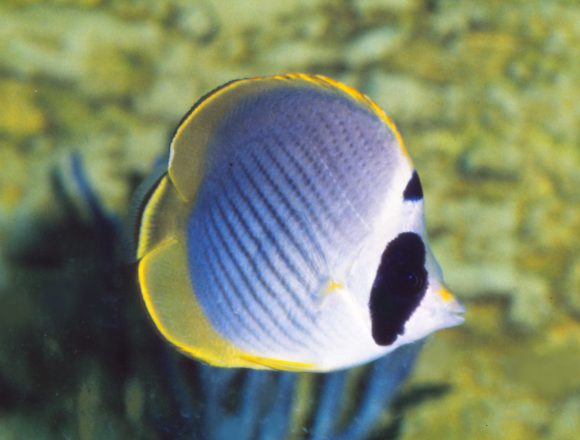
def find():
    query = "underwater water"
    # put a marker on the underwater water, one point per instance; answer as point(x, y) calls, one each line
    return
point(485, 95)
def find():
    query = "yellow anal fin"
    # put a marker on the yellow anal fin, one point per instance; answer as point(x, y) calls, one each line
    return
point(172, 303)
point(192, 138)
point(278, 364)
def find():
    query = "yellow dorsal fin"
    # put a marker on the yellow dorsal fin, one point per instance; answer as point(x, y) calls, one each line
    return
point(191, 139)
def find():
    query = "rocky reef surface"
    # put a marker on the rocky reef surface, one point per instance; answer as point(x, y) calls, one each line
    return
point(486, 96)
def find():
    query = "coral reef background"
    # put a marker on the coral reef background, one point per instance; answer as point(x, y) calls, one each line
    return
point(486, 95)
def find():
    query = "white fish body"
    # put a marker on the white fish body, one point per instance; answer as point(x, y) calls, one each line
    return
point(288, 231)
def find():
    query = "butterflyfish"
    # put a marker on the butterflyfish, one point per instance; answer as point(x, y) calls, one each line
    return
point(286, 231)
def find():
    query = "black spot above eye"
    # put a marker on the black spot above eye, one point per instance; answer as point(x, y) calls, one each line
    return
point(399, 287)
point(413, 191)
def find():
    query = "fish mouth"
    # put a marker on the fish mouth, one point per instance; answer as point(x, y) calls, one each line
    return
point(456, 308)
point(452, 310)
point(446, 314)
point(455, 312)
point(452, 304)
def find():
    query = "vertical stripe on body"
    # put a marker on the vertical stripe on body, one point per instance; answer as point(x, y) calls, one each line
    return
point(289, 193)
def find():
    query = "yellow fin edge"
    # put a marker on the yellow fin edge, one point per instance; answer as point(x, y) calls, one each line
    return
point(278, 364)
point(192, 333)
point(145, 234)
point(319, 80)
point(229, 356)
point(356, 95)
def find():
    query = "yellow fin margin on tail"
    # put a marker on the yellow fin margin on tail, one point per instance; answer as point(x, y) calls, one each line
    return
point(171, 302)
point(191, 139)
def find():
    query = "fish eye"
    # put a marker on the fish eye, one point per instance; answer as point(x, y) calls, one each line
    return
point(399, 287)
point(413, 282)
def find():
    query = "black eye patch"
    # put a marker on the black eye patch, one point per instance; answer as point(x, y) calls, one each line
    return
point(413, 191)
point(399, 287)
